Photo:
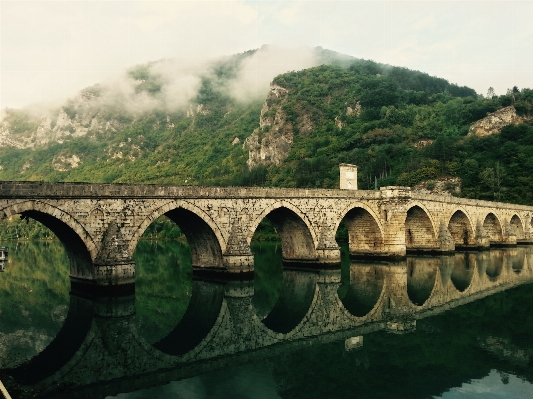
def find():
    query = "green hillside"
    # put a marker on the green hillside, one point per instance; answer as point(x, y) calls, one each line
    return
point(401, 127)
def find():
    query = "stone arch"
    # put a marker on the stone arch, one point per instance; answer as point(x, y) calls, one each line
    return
point(203, 235)
point(365, 234)
point(419, 229)
point(79, 245)
point(493, 228)
point(298, 239)
point(516, 227)
point(460, 227)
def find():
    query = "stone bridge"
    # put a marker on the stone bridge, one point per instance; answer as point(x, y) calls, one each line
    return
point(100, 351)
point(101, 224)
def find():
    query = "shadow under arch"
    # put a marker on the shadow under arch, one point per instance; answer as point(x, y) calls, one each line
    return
point(463, 271)
point(365, 236)
point(67, 230)
point(421, 278)
point(419, 231)
point(367, 282)
point(203, 236)
point(197, 322)
point(517, 227)
point(493, 228)
point(297, 240)
point(460, 227)
point(297, 295)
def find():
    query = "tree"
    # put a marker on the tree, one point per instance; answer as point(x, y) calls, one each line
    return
point(493, 177)
point(491, 93)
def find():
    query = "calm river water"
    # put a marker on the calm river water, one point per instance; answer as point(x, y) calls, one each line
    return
point(429, 327)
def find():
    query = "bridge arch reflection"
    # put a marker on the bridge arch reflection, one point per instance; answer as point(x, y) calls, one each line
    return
point(494, 264)
point(515, 261)
point(298, 293)
point(365, 289)
point(94, 359)
point(463, 271)
point(198, 321)
point(421, 278)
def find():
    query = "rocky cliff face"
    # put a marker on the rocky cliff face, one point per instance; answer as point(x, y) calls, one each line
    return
point(440, 186)
point(22, 129)
point(271, 142)
point(494, 122)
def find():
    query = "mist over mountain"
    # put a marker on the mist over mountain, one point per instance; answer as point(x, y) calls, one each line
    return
point(277, 117)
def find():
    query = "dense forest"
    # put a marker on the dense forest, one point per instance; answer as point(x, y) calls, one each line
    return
point(401, 127)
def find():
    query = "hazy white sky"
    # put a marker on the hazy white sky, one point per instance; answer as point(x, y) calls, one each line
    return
point(51, 49)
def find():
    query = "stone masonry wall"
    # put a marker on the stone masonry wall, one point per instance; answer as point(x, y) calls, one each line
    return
point(219, 222)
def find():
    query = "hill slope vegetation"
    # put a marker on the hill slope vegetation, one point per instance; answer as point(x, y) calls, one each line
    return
point(401, 127)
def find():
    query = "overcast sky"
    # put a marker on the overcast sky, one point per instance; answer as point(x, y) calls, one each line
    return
point(51, 49)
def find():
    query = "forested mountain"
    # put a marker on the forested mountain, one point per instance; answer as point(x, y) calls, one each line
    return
point(401, 127)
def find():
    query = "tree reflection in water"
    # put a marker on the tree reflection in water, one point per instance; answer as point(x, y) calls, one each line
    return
point(480, 338)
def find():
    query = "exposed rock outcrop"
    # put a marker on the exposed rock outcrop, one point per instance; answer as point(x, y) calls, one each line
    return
point(355, 111)
point(201, 109)
point(45, 128)
point(63, 163)
point(81, 114)
point(305, 125)
point(440, 186)
point(339, 123)
point(271, 142)
point(494, 122)
point(423, 143)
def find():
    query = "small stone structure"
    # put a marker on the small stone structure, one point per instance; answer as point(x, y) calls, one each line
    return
point(348, 176)
point(101, 224)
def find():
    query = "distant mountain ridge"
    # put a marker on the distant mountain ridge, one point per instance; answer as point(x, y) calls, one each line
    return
point(218, 123)
point(112, 107)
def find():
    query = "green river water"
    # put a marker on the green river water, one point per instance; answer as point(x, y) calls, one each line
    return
point(480, 349)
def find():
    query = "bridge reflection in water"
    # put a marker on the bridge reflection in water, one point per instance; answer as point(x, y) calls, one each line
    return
point(100, 352)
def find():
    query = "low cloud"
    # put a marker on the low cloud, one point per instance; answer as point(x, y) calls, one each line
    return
point(257, 71)
point(173, 85)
